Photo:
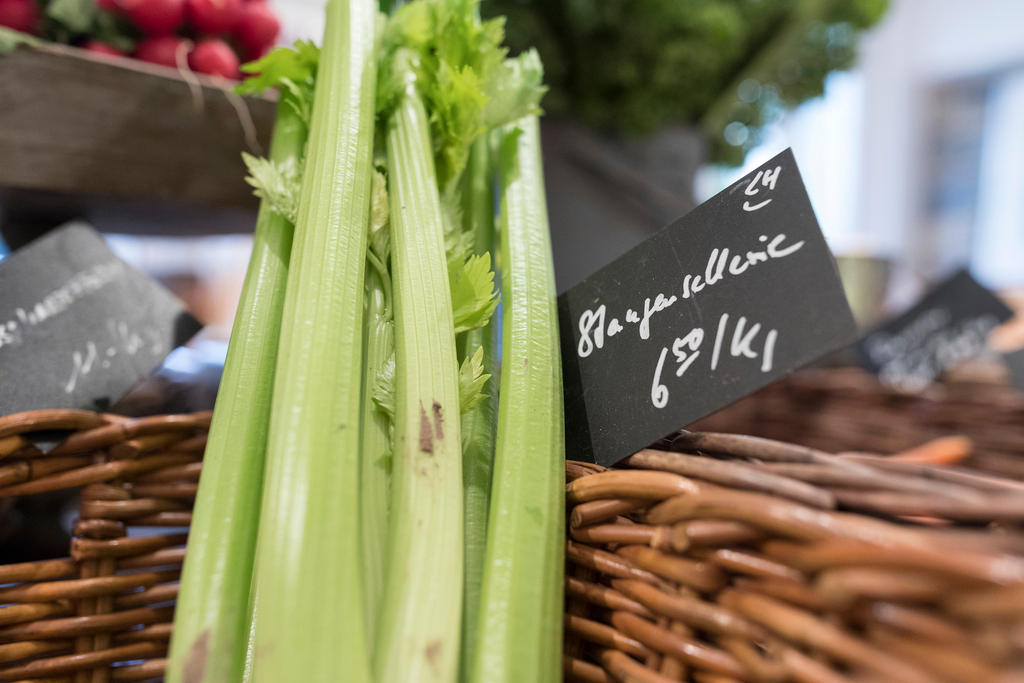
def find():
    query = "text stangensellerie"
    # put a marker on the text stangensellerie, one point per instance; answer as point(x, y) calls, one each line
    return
point(734, 295)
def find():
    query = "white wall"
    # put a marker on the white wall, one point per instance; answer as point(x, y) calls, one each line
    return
point(863, 147)
point(921, 44)
point(300, 19)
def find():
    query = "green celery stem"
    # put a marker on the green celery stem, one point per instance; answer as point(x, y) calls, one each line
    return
point(520, 623)
point(478, 425)
point(308, 588)
point(375, 468)
point(418, 631)
point(211, 619)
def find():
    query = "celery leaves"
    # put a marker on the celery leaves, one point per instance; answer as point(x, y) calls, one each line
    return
point(516, 90)
point(380, 236)
point(291, 70)
point(461, 71)
point(384, 387)
point(472, 380)
point(276, 183)
point(473, 295)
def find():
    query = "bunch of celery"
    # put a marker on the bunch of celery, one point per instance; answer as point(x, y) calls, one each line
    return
point(380, 551)
point(307, 586)
point(519, 634)
point(212, 615)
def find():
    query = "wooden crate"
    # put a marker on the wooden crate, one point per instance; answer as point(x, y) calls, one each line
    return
point(82, 133)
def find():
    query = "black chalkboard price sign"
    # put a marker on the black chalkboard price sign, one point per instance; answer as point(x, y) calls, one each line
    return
point(734, 295)
point(1015, 364)
point(949, 325)
point(78, 326)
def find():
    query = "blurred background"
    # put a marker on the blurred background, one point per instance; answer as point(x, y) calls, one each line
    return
point(905, 117)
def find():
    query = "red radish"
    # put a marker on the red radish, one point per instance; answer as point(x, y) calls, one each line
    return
point(21, 15)
point(162, 50)
point(261, 53)
point(99, 47)
point(107, 5)
point(156, 17)
point(214, 16)
point(214, 57)
point(258, 28)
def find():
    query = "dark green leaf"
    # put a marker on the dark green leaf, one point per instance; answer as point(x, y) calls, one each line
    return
point(75, 15)
point(10, 39)
point(112, 30)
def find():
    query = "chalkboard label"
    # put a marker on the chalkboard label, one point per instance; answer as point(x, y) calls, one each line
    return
point(78, 326)
point(1015, 364)
point(734, 295)
point(949, 325)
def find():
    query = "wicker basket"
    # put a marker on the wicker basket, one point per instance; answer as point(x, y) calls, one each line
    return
point(726, 567)
point(730, 560)
point(849, 410)
point(104, 613)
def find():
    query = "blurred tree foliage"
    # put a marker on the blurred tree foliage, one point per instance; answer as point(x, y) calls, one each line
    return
point(727, 66)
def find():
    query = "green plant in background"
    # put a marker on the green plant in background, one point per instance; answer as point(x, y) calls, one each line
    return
point(727, 66)
point(75, 21)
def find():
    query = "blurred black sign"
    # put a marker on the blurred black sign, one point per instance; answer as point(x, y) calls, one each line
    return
point(1015, 363)
point(949, 325)
point(79, 326)
point(736, 294)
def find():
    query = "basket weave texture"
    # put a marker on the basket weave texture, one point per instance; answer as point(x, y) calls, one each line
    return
point(105, 612)
point(725, 560)
point(849, 410)
point(725, 557)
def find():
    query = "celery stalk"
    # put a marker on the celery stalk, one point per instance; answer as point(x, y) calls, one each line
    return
point(375, 472)
point(307, 586)
point(478, 424)
point(211, 619)
point(519, 632)
point(375, 460)
point(418, 631)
